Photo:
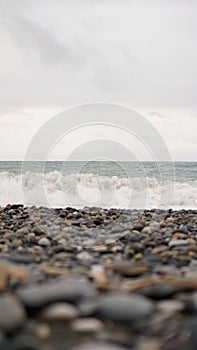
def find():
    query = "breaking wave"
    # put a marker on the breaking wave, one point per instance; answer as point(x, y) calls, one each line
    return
point(55, 189)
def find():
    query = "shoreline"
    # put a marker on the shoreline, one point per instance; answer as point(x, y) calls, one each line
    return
point(110, 278)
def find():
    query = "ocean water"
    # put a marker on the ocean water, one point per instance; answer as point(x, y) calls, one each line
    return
point(99, 184)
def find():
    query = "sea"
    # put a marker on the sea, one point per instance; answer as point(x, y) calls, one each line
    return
point(103, 184)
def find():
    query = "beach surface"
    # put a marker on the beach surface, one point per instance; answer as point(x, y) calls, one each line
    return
point(92, 279)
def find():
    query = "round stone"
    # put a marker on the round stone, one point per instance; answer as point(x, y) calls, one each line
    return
point(44, 242)
point(84, 256)
point(126, 308)
point(42, 331)
point(12, 315)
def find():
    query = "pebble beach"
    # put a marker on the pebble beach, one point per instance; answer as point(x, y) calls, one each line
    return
point(93, 278)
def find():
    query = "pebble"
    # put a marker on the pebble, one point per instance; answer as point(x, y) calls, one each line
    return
point(68, 289)
point(12, 313)
point(59, 312)
point(97, 278)
point(177, 242)
point(84, 256)
point(125, 308)
point(87, 325)
point(170, 307)
point(42, 331)
point(130, 270)
point(44, 242)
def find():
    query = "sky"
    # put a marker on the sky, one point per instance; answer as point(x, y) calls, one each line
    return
point(135, 53)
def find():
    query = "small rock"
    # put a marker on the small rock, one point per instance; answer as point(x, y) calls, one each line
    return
point(146, 230)
point(130, 270)
point(177, 242)
point(59, 312)
point(87, 325)
point(138, 256)
point(84, 256)
point(12, 315)
point(42, 331)
point(67, 289)
point(125, 308)
point(44, 242)
point(170, 307)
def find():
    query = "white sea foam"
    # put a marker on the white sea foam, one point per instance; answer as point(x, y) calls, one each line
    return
point(59, 190)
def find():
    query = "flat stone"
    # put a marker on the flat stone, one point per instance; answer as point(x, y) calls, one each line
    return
point(130, 270)
point(161, 290)
point(67, 289)
point(126, 308)
point(20, 259)
point(12, 314)
point(177, 242)
point(59, 312)
point(87, 325)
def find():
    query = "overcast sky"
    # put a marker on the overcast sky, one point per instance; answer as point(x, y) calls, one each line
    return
point(60, 53)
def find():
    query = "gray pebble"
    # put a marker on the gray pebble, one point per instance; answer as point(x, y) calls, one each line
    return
point(67, 289)
point(126, 308)
point(177, 242)
point(12, 313)
point(44, 242)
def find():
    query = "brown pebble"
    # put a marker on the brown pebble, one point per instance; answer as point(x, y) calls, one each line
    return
point(146, 230)
point(138, 256)
point(9, 271)
point(129, 270)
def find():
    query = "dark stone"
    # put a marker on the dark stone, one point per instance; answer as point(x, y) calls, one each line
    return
point(16, 206)
point(66, 289)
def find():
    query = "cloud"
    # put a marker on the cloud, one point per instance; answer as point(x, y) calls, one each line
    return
point(157, 115)
point(112, 51)
point(140, 54)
